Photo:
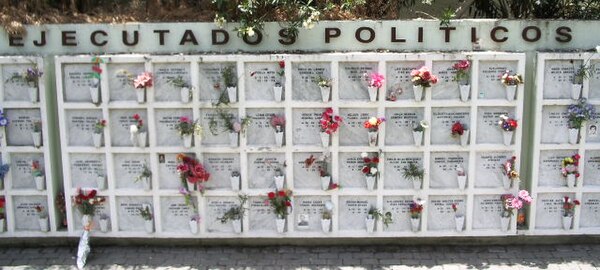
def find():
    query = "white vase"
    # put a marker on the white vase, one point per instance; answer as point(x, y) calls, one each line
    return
point(193, 226)
point(146, 181)
point(506, 182)
point(507, 137)
point(571, 179)
point(566, 222)
point(235, 182)
point(95, 94)
point(464, 139)
point(187, 140)
point(511, 90)
point(573, 135)
point(279, 181)
point(237, 225)
point(33, 94)
point(97, 138)
point(185, 94)
point(86, 220)
point(418, 91)
point(576, 91)
point(370, 222)
point(232, 94)
point(324, 139)
point(416, 183)
point(325, 92)
point(464, 92)
point(103, 225)
point(2, 225)
point(40, 182)
point(277, 91)
point(233, 139)
point(372, 93)
point(504, 223)
point(280, 223)
point(459, 222)
point(325, 180)
point(462, 181)
point(325, 225)
point(44, 225)
point(101, 182)
point(37, 139)
point(373, 138)
point(279, 138)
point(370, 182)
point(149, 226)
point(418, 137)
point(415, 224)
point(140, 95)
point(142, 138)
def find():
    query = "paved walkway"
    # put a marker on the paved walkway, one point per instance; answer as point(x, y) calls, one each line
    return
point(292, 257)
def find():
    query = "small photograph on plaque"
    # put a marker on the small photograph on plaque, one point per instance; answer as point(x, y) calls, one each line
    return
point(353, 211)
point(550, 168)
point(490, 72)
point(265, 81)
point(81, 126)
point(261, 132)
point(15, 89)
point(442, 120)
point(170, 79)
point(549, 210)
point(394, 169)
point(400, 123)
point(21, 169)
point(212, 84)
point(305, 76)
point(77, 81)
point(353, 79)
point(399, 207)
point(308, 212)
point(441, 215)
point(26, 216)
point(21, 126)
point(399, 79)
point(120, 80)
point(128, 212)
point(444, 168)
point(353, 132)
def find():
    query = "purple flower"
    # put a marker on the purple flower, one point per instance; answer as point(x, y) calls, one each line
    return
point(3, 121)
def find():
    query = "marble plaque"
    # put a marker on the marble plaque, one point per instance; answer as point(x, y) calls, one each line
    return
point(15, 90)
point(85, 168)
point(307, 178)
point(308, 211)
point(260, 132)
point(20, 126)
point(440, 215)
point(307, 126)
point(487, 210)
point(163, 72)
point(488, 172)
point(490, 72)
point(352, 132)
point(445, 88)
point(128, 213)
point(260, 215)
point(488, 130)
point(442, 120)
point(591, 174)
point(26, 218)
point(167, 171)
point(120, 121)
point(555, 118)
point(394, 167)
point(443, 168)
point(211, 81)
point(222, 133)
point(81, 125)
point(77, 80)
point(399, 79)
point(128, 168)
point(20, 169)
point(353, 79)
point(103, 208)
point(558, 78)
point(261, 169)
point(399, 206)
point(166, 122)
point(549, 168)
point(215, 209)
point(120, 81)
point(260, 79)
point(353, 212)
point(305, 76)
point(220, 167)
point(350, 166)
point(549, 210)
point(594, 80)
point(590, 211)
point(400, 123)
point(175, 214)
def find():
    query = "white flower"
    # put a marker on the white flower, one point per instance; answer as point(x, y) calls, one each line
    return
point(91, 201)
point(426, 2)
point(250, 31)
point(364, 155)
point(133, 129)
point(424, 123)
point(373, 170)
point(373, 121)
point(219, 21)
point(598, 49)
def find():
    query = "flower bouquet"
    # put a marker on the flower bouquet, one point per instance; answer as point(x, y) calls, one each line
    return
point(4, 168)
point(31, 79)
point(136, 135)
point(374, 82)
point(325, 86)
point(230, 83)
point(511, 81)
point(145, 177)
point(418, 132)
point(96, 76)
point(86, 202)
point(578, 114)
point(416, 208)
point(459, 219)
point(373, 126)
point(462, 77)
point(461, 131)
point(36, 133)
point(235, 214)
point(186, 128)
point(281, 203)
point(568, 212)
point(584, 71)
point(508, 125)
point(375, 214)
point(38, 175)
point(422, 79)
point(461, 177)
point(278, 88)
point(511, 203)
point(184, 88)
point(235, 127)
point(98, 132)
point(146, 214)
point(509, 173)
point(570, 169)
point(329, 125)
point(323, 162)
point(42, 218)
point(140, 83)
point(413, 173)
point(370, 169)
point(278, 123)
point(191, 172)
point(2, 214)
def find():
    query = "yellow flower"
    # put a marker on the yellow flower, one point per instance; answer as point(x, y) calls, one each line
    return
point(373, 121)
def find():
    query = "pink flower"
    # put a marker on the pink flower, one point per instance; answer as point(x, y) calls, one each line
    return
point(237, 127)
point(462, 65)
point(183, 168)
point(434, 79)
point(184, 119)
point(376, 80)
point(143, 80)
point(523, 194)
point(516, 203)
point(414, 73)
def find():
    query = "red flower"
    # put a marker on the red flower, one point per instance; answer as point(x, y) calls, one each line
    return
point(271, 195)
point(375, 160)
point(136, 116)
point(2, 202)
point(577, 156)
point(577, 175)
point(365, 169)
point(281, 64)
point(367, 160)
point(281, 193)
point(576, 202)
point(287, 203)
point(454, 207)
point(328, 111)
